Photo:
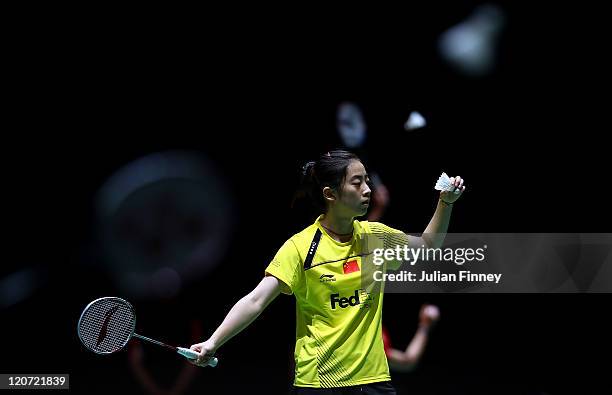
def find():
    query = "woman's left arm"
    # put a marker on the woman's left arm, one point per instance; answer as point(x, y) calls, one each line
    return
point(434, 234)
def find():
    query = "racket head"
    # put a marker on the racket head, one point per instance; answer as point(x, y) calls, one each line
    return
point(106, 325)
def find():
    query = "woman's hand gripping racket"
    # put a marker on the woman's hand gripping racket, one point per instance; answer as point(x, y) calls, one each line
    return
point(107, 324)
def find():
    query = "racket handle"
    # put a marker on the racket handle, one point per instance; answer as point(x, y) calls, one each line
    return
point(189, 354)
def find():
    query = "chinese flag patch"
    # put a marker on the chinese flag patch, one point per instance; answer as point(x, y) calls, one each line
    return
point(350, 267)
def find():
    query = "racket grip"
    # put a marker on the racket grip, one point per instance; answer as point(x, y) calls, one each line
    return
point(189, 354)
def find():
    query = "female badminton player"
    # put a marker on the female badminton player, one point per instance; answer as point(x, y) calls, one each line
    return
point(339, 346)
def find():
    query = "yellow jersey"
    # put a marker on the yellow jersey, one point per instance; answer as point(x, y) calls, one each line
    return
point(338, 329)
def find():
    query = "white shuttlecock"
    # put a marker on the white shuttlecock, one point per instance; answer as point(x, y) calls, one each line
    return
point(444, 184)
point(415, 121)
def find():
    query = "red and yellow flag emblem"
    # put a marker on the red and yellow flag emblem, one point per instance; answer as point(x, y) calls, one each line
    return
point(350, 267)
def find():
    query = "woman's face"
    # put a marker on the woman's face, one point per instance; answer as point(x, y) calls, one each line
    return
point(353, 198)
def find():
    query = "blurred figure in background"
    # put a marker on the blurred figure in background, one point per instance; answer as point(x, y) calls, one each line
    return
point(407, 360)
point(352, 130)
point(150, 377)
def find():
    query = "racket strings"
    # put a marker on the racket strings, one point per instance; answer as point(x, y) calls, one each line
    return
point(106, 326)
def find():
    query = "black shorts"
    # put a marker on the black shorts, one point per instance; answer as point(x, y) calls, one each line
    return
point(381, 388)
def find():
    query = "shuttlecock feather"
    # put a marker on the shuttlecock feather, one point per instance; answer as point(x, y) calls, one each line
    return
point(444, 184)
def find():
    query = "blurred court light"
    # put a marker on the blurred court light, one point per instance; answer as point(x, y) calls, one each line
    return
point(351, 125)
point(18, 286)
point(415, 121)
point(164, 220)
point(471, 46)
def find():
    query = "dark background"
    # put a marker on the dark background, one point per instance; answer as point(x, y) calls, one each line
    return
point(258, 98)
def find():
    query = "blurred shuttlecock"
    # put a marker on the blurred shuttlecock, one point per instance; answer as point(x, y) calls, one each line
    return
point(415, 121)
point(471, 46)
point(444, 184)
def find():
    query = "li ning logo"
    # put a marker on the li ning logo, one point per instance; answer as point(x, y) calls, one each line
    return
point(325, 278)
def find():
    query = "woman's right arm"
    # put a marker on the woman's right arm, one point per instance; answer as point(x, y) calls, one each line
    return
point(239, 317)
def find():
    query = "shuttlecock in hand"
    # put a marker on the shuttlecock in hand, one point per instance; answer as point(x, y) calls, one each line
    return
point(444, 184)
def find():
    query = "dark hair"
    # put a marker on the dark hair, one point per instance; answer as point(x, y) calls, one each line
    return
point(328, 171)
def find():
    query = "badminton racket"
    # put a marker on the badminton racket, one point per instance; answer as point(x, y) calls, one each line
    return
point(107, 324)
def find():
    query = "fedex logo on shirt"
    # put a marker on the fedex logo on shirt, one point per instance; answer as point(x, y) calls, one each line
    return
point(344, 302)
point(360, 297)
